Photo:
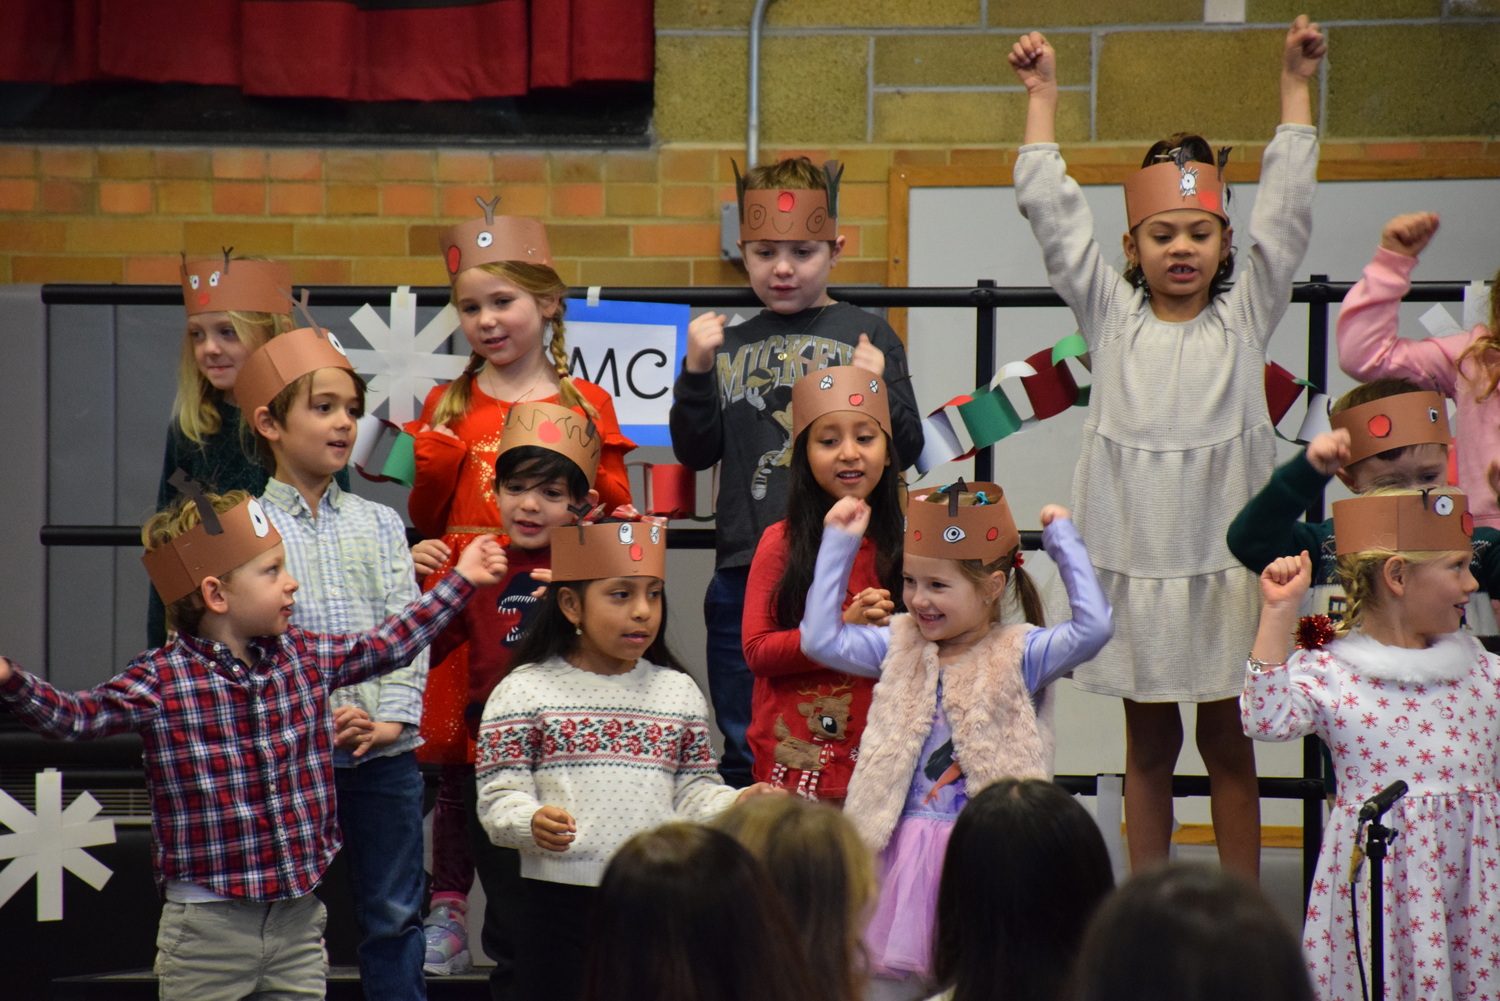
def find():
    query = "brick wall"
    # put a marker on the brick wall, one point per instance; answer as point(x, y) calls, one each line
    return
point(878, 83)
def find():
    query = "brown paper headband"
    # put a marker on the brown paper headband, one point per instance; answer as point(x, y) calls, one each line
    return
point(1177, 183)
point(943, 526)
point(221, 284)
point(494, 239)
point(219, 543)
point(839, 387)
point(1394, 422)
point(283, 360)
point(1417, 522)
point(613, 549)
point(556, 428)
point(790, 213)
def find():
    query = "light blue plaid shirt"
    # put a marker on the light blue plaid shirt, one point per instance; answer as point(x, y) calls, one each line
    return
point(354, 570)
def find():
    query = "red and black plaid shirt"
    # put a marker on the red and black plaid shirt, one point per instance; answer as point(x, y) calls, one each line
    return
point(238, 759)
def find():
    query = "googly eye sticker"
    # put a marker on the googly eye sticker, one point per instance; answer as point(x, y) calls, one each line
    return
point(1432, 415)
point(258, 520)
point(193, 281)
point(485, 238)
point(874, 386)
point(336, 345)
point(627, 534)
point(655, 535)
point(213, 280)
point(954, 534)
point(826, 382)
point(1443, 505)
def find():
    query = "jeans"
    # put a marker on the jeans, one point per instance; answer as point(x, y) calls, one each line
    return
point(730, 683)
point(380, 812)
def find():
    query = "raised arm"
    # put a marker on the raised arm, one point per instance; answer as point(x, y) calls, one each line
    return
point(1035, 64)
point(695, 420)
point(1370, 345)
point(1269, 525)
point(1302, 54)
point(826, 637)
point(1054, 651)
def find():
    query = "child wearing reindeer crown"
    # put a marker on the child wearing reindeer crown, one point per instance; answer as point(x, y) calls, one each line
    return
point(1401, 693)
point(730, 404)
point(239, 841)
point(1177, 436)
point(234, 305)
point(1386, 433)
point(595, 735)
point(302, 399)
point(548, 456)
point(806, 720)
point(962, 699)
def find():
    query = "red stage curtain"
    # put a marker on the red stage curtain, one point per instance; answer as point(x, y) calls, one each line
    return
point(355, 50)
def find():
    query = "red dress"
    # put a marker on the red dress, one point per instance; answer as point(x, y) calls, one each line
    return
point(805, 719)
point(454, 499)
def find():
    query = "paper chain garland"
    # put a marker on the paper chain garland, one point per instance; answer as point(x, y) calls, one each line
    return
point(967, 423)
point(976, 420)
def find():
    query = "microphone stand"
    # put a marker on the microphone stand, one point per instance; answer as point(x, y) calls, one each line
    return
point(1377, 839)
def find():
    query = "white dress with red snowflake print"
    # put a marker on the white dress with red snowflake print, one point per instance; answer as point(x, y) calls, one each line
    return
point(1430, 717)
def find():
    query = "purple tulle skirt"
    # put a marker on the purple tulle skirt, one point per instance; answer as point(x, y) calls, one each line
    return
point(899, 936)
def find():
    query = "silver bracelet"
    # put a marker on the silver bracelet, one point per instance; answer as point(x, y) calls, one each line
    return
point(1257, 666)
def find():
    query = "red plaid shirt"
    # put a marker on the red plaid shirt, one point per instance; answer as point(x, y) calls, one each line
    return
point(239, 759)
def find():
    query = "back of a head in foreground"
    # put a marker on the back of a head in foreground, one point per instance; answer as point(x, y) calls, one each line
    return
point(1025, 869)
point(826, 877)
point(686, 913)
point(1190, 933)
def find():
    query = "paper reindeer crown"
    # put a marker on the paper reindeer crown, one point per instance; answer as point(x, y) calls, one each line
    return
point(1417, 522)
point(839, 387)
point(790, 213)
point(216, 545)
point(283, 360)
point(553, 427)
point(494, 238)
point(1394, 422)
point(219, 284)
point(613, 549)
point(962, 521)
point(1177, 183)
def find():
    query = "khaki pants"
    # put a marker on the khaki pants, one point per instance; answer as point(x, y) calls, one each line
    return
point(234, 949)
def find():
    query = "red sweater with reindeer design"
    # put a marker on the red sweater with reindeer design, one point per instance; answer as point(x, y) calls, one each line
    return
point(805, 719)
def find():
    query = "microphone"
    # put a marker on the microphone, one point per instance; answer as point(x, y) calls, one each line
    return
point(1374, 807)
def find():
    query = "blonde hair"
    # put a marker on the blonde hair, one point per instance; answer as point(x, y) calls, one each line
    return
point(1360, 573)
point(195, 410)
point(1486, 350)
point(541, 283)
point(825, 875)
point(186, 614)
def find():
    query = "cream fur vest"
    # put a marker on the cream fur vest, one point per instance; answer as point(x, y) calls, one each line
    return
point(996, 730)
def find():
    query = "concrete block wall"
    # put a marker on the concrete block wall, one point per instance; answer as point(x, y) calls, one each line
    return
point(880, 84)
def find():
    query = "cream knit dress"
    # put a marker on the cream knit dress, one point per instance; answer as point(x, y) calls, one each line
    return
point(1177, 437)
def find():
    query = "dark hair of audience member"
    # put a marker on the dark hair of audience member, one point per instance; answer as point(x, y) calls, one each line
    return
point(1190, 933)
point(1026, 867)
